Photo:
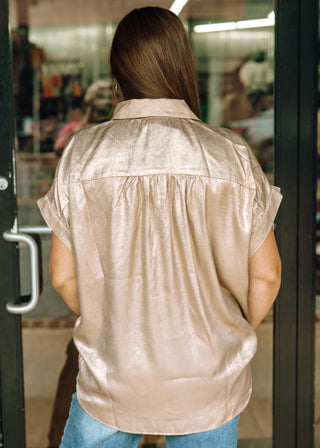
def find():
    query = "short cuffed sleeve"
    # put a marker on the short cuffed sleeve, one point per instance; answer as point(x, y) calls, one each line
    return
point(54, 206)
point(266, 204)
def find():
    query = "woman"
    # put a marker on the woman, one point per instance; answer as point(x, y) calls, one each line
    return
point(162, 243)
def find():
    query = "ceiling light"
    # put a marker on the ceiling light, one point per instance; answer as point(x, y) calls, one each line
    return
point(241, 25)
point(214, 27)
point(177, 6)
point(244, 24)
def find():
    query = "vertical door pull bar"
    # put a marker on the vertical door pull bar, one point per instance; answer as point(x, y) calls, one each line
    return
point(34, 267)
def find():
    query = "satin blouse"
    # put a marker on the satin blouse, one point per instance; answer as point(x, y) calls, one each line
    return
point(161, 213)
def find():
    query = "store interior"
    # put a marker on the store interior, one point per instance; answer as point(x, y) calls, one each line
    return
point(61, 83)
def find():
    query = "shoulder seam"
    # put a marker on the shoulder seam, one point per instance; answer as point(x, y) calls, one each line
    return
point(235, 181)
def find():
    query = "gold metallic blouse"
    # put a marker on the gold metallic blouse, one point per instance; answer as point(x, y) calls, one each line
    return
point(161, 213)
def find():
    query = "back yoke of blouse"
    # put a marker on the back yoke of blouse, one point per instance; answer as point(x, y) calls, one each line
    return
point(162, 213)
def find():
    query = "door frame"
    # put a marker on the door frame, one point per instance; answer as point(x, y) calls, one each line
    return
point(12, 425)
point(296, 81)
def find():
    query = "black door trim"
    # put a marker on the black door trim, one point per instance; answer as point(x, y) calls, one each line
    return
point(12, 426)
point(296, 36)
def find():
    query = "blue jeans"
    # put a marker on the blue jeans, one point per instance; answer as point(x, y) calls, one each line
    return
point(82, 431)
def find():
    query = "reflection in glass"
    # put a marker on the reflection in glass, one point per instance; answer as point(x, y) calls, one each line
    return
point(236, 70)
point(61, 81)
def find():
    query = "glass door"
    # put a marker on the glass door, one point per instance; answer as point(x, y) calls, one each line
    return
point(61, 82)
point(59, 64)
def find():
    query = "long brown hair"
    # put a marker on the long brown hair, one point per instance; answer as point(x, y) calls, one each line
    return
point(151, 57)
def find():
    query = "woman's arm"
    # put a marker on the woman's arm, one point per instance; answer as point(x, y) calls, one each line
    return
point(63, 273)
point(264, 280)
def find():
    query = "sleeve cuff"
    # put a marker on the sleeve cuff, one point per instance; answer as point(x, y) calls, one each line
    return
point(261, 233)
point(53, 221)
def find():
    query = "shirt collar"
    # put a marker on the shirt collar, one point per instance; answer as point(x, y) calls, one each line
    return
point(153, 107)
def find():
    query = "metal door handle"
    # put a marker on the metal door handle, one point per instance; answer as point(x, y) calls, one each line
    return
point(34, 266)
point(40, 230)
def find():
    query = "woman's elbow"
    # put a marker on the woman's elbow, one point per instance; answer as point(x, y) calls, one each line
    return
point(57, 277)
point(273, 276)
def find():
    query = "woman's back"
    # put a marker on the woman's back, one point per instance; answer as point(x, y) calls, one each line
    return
point(163, 213)
point(163, 243)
